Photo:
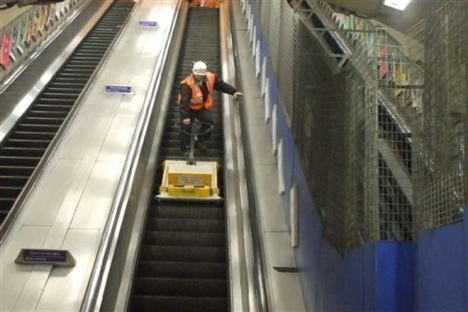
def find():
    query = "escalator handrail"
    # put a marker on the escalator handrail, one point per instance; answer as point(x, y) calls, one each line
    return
point(237, 204)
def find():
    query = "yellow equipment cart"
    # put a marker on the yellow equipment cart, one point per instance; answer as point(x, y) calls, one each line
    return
point(193, 181)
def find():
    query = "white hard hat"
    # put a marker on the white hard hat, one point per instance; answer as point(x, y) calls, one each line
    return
point(199, 68)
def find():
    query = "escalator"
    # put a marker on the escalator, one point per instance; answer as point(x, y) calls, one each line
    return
point(183, 256)
point(23, 148)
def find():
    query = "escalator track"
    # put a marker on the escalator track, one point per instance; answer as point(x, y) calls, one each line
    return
point(183, 257)
point(23, 148)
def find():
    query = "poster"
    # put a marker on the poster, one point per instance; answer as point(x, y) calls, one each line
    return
point(29, 31)
point(14, 37)
point(37, 25)
point(398, 78)
point(21, 36)
point(383, 61)
point(5, 55)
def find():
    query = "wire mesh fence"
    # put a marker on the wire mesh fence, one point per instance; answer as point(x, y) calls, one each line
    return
point(441, 132)
point(382, 139)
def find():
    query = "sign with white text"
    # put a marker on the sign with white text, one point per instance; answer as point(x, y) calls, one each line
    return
point(148, 24)
point(119, 89)
point(45, 256)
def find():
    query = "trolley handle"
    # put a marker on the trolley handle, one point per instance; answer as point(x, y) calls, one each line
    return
point(197, 124)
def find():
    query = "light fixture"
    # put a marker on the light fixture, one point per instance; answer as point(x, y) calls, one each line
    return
point(397, 4)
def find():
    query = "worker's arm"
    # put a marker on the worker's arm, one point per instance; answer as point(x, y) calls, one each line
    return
point(225, 87)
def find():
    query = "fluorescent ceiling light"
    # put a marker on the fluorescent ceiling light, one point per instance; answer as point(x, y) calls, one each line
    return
point(397, 4)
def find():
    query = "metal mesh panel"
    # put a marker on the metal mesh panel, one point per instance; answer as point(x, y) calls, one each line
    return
point(371, 172)
point(441, 132)
point(287, 42)
point(395, 104)
point(395, 211)
point(395, 185)
point(319, 129)
point(265, 18)
point(274, 32)
point(383, 169)
point(356, 230)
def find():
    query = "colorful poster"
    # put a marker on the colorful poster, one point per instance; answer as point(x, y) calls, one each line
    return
point(376, 45)
point(6, 48)
point(21, 36)
point(14, 37)
point(391, 66)
point(371, 44)
point(45, 17)
point(51, 15)
point(42, 17)
point(13, 42)
point(407, 101)
point(417, 93)
point(398, 78)
point(29, 30)
point(58, 11)
point(37, 25)
point(383, 61)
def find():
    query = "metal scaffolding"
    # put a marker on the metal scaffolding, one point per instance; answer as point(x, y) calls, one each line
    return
point(380, 127)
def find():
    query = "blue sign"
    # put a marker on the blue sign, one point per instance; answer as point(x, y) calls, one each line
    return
point(119, 89)
point(45, 256)
point(148, 23)
point(39, 255)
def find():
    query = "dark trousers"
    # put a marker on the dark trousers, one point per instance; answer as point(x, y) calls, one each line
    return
point(204, 116)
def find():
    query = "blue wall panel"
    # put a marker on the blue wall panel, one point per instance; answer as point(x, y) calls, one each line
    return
point(368, 276)
point(330, 291)
point(380, 277)
point(310, 242)
point(442, 273)
point(394, 276)
point(354, 281)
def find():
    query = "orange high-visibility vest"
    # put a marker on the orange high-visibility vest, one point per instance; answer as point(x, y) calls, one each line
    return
point(197, 92)
point(194, 3)
point(211, 4)
point(205, 4)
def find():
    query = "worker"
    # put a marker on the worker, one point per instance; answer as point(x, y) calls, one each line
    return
point(195, 102)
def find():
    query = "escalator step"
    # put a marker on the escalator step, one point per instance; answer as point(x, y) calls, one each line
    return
point(185, 239)
point(179, 304)
point(201, 270)
point(25, 143)
point(16, 171)
point(13, 181)
point(5, 205)
point(187, 254)
point(181, 212)
point(22, 151)
point(19, 161)
point(181, 287)
point(188, 225)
